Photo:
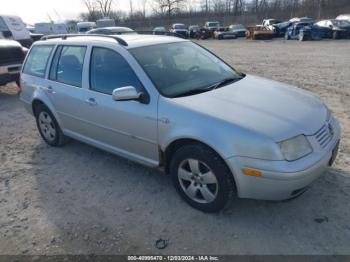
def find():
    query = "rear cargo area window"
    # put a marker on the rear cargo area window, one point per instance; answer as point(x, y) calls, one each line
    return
point(37, 60)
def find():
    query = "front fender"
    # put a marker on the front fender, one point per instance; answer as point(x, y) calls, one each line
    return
point(227, 139)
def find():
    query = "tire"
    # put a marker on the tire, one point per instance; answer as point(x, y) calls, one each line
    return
point(195, 169)
point(301, 37)
point(335, 35)
point(48, 127)
point(286, 36)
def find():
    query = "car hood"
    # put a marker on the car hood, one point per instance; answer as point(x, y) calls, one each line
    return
point(276, 110)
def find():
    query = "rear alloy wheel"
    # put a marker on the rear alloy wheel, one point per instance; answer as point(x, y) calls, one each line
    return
point(48, 126)
point(201, 177)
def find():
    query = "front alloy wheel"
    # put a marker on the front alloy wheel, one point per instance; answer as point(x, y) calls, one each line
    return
point(201, 177)
point(198, 181)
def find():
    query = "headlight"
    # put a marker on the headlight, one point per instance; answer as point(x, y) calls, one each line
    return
point(295, 148)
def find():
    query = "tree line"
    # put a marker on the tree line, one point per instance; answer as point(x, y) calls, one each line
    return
point(152, 12)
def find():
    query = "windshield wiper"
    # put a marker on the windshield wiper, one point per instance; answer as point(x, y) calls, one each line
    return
point(192, 92)
point(224, 82)
point(211, 87)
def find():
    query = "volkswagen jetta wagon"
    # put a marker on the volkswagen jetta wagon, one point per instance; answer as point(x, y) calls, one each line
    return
point(169, 103)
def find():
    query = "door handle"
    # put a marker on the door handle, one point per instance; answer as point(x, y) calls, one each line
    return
point(91, 101)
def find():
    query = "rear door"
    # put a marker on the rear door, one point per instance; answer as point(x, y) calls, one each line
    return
point(65, 85)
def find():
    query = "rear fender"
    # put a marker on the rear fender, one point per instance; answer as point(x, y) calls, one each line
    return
point(39, 95)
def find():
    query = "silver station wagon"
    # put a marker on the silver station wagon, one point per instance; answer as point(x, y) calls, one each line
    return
point(169, 103)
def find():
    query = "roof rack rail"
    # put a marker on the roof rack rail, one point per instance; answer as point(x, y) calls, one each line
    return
point(65, 36)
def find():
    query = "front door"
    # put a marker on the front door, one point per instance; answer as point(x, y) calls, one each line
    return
point(126, 127)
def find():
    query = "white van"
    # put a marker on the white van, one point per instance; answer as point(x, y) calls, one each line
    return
point(105, 22)
point(43, 28)
point(59, 28)
point(83, 27)
point(12, 27)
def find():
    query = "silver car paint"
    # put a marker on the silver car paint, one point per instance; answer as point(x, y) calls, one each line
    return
point(242, 122)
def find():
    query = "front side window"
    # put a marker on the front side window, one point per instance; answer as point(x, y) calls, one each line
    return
point(67, 65)
point(109, 70)
point(177, 69)
point(37, 60)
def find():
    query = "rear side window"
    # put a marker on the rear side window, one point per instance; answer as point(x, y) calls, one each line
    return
point(109, 70)
point(37, 60)
point(67, 65)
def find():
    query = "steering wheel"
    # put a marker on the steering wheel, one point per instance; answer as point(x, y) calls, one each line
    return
point(193, 68)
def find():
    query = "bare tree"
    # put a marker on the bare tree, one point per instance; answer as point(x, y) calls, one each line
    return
point(169, 6)
point(105, 6)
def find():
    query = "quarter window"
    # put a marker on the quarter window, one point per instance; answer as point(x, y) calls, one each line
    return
point(37, 60)
point(67, 65)
point(109, 70)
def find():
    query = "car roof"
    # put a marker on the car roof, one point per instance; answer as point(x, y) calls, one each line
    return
point(133, 41)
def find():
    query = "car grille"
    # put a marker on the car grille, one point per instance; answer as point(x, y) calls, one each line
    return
point(324, 135)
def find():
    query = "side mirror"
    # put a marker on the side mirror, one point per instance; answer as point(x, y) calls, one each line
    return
point(126, 93)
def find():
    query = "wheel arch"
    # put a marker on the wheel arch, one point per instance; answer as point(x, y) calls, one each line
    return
point(170, 149)
point(37, 101)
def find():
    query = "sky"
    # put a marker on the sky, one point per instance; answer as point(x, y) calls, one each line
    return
point(34, 11)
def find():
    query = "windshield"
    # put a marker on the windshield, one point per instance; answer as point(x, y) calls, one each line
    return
point(84, 29)
point(215, 24)
point(179, 27)
point(341, 23)
point(3, 26)
point(237, 27)
point(177, 69)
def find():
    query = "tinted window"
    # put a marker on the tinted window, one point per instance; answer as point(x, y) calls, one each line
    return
point(37, 60)
point(109, 70)
point(69, 68)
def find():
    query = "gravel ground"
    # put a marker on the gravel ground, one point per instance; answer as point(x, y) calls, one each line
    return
point(79, 200)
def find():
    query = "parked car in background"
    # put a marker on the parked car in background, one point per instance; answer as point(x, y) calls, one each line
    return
point(238, 29)
point(281, 28)
point(306, 31)
point(152, 98)
point(83, 27)
point(12, 27)
point(194, 31)
point(115, 30)
point(179, 29)
point(159, 30)
point(205, 33)
point(338, 28)
point(212, 26)
point(269, 23)
point(222, 34)
point(12, 55)
point(105, 22)
point(345, 17)
point(259, 33)
point(302, 19)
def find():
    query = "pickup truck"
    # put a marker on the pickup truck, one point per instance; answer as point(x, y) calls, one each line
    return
point(12, 55)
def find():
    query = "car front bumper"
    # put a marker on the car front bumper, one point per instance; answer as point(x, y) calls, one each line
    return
point(281, 180)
